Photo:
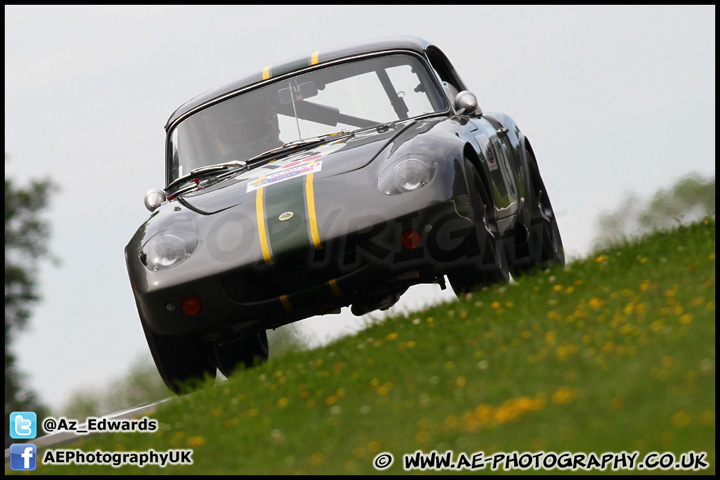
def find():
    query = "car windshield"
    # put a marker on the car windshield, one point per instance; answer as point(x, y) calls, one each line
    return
point(348, 96)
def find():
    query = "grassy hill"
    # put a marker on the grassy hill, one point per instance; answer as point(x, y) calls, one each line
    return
point(614, 353)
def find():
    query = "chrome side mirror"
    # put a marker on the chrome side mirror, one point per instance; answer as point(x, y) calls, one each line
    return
point(154, 198)
point(466, 103)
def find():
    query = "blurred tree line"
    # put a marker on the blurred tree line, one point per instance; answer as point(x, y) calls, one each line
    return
point(26, 238)
point(688, 200)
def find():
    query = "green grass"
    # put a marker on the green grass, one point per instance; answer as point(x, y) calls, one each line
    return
point(615, 352)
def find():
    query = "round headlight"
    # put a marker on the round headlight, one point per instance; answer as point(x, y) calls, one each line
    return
point(407, 174)
point(168, 249)
point(411, 174)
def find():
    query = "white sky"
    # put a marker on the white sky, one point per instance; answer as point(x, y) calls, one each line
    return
point(613, 99)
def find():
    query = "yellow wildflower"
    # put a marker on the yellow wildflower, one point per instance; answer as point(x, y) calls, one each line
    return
point(195, 441)
point(681, 419)
point(596, 303)
point(564, 395)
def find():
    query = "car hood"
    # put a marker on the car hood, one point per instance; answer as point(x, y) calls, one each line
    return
point(332, 158)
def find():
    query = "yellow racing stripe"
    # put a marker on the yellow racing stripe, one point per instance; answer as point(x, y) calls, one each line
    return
point(312, 218)
point(286, 303)
point(335, 288)
point(262, 233)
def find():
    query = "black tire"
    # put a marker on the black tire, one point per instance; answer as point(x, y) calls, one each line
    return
point(491, 265)
point(543, 248)
point(183, 363)
point(242, 353)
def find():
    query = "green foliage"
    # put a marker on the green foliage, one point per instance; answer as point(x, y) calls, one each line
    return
point(84, 402)
point(613, 353)
point(286, 339)
point(688, 200)
point(26, 235)
point(141, 385)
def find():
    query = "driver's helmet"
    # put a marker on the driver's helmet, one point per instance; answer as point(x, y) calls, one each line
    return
point(246, 126)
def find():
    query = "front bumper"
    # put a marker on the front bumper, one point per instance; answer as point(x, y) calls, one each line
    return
point(379, 257)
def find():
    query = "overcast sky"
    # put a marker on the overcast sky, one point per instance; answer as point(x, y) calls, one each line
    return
point(613, 98)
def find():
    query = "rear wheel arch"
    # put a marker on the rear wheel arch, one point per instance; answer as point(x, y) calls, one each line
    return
point(471, 155)
point(533, 170)
point(543, 247)
point(527, 157)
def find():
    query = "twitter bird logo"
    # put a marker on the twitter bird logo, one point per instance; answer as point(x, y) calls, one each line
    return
point(23, 425)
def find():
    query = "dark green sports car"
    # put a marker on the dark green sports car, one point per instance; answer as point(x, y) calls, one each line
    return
point(338, 179)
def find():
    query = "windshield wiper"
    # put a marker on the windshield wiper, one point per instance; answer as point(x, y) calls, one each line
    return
point(325, 136)
point(299, 144)
point(200, 171)
point(380, 127)
point(286, 148)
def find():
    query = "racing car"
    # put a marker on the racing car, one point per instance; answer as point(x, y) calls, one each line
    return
point(337, 179)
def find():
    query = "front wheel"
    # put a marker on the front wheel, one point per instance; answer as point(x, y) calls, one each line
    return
point(183, 362)
point(490, 266)
point(244, 352)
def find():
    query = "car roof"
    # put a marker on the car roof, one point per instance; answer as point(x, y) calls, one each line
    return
point(316, 58)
